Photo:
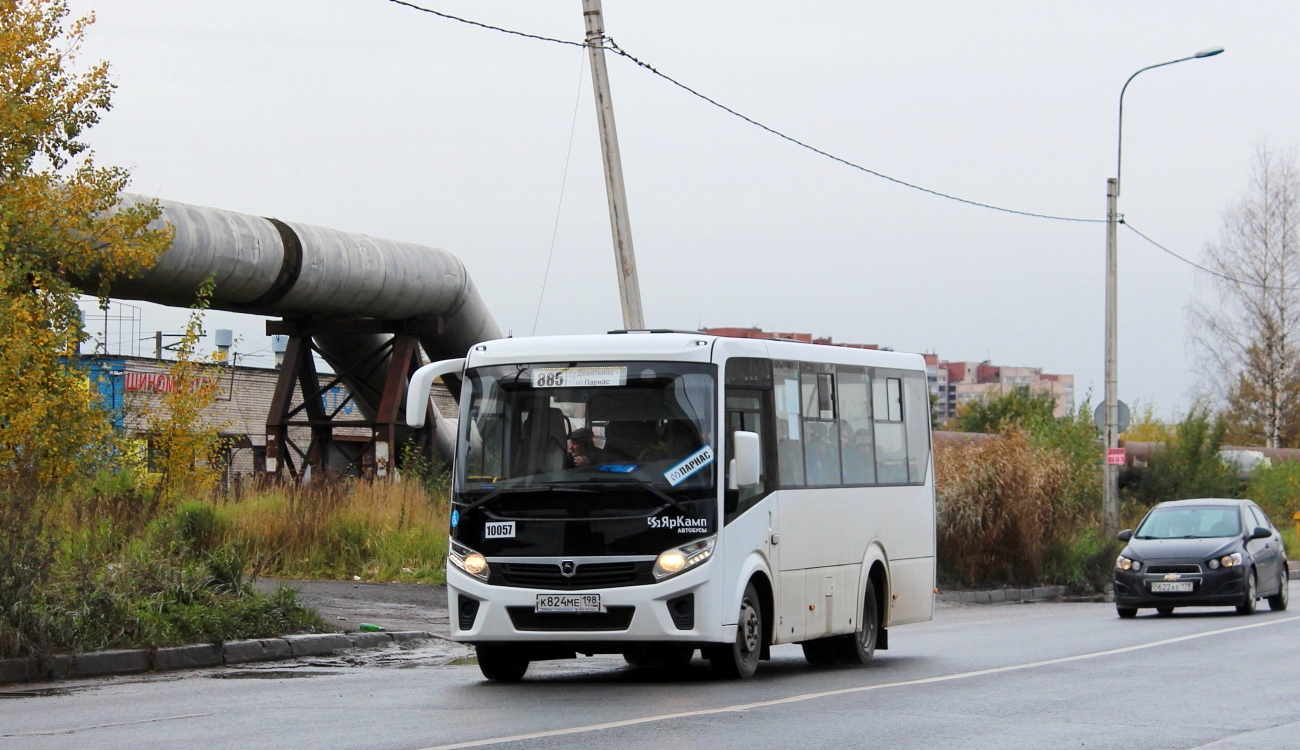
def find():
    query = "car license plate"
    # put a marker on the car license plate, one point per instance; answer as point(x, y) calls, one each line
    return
point(1171, 586)
point(569, 603)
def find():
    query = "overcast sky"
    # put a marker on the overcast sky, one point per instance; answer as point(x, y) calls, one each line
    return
point(366, 116)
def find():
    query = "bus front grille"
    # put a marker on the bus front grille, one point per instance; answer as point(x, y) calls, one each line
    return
point(614, 618)
point(585, 575)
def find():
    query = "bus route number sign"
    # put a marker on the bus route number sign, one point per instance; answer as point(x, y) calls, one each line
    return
point(578, 377)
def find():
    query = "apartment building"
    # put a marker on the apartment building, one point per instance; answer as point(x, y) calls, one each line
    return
point(952, 384)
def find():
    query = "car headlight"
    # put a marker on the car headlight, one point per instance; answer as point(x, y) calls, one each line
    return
point(1229, 561)
point(467, 560)
point(683, 558)
point(1127, 563)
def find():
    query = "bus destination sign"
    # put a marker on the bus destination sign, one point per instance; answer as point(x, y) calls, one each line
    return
point(578, 377)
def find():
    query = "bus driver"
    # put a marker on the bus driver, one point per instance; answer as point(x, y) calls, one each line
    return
point(582, 449)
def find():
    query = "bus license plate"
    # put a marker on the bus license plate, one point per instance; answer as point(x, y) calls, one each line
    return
point(569, 603)
point(1183, 586)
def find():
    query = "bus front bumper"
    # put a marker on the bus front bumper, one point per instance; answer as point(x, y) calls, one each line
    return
point(683, 610)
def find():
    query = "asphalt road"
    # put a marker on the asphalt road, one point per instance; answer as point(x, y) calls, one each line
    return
point(1011, 676)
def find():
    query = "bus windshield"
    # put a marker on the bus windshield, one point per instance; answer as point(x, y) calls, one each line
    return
point(645, 426)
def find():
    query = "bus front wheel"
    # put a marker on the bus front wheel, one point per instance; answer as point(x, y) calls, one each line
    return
point(501, 663)
point(740, 659)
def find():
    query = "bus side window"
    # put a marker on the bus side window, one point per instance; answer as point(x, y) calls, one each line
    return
point(789, 429)
point(821, 443)
point(891, 446)
point(744, 412)
point(918, 427)
point(856, 443)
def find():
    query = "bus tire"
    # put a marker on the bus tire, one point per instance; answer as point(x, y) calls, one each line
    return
point(859, 648)
point(665, 656)
point(823, 652)
point(739, 660)
point(501, 663)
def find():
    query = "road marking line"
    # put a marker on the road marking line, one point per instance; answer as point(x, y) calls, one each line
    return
point(846, 691)
point(74, 730)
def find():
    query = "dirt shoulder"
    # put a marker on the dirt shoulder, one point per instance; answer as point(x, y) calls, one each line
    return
point(394, 606)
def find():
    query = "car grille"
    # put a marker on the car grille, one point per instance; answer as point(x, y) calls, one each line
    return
point(585, 576)
point(614, 618)
point(1158, 569)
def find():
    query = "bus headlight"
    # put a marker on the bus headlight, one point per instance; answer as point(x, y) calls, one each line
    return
point(683, 558)
point(467, 560)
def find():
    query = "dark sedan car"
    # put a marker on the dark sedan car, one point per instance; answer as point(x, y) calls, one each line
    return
point(1197, 553)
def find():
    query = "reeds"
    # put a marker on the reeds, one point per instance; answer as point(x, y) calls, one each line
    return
point(341, 528)
point(1001, 504)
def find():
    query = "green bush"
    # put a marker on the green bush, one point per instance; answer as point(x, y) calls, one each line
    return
point(1187, 466)
point(1083, 561)
point(1277, 490)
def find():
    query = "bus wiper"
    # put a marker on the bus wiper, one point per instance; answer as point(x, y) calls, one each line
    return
point(632, 478)
point(543, 487)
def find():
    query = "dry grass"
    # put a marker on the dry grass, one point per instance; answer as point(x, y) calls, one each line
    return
point(380, 530)
point(999, 509)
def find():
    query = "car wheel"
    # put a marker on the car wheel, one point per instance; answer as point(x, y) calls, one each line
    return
point(1252, 596)
point(1127, 613)
point(501, 663)
point(1164, 611)
point(1278, 601)
point(739, 660)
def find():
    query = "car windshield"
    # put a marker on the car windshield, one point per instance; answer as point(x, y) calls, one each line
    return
point(1209, 522)
point(644, 428)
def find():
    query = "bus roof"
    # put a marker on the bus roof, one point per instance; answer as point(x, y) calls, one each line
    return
point(676, 346)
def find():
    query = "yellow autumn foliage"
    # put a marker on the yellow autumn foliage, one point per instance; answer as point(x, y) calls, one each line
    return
point(59, 228)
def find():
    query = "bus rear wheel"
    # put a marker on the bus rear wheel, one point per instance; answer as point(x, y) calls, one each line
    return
point(858, 649)
point(501, 663)
point(739, 660)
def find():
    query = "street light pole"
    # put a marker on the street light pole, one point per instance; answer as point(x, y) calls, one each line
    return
point(629, 289)
point(1110, 477)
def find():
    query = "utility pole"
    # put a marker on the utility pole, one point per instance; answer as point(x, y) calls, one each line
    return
point(629, 289)
point(1110, 484)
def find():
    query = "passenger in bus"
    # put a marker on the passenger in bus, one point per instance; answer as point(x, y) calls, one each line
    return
point(583, 450)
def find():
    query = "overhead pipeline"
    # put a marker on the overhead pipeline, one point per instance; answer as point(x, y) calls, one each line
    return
point(270, 267)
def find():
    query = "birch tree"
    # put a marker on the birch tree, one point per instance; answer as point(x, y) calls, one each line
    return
point(1248, 327)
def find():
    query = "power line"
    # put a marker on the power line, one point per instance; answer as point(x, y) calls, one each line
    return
point(487, 26)
point(1210, 271)
point(573, 127)
point(620, 51)
point(613, 47)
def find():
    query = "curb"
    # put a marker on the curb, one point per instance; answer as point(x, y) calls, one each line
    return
point(138, 661)
point(1002, 596)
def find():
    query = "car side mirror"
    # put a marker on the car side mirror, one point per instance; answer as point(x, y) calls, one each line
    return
point(748, 458)
point(1261, 533)
point(1125, 535)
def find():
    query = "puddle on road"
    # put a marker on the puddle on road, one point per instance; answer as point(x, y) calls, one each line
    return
point(269, 674)
point(38, 693)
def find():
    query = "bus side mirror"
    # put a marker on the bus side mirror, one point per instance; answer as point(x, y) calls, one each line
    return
point(748, 458)
point(417, 392)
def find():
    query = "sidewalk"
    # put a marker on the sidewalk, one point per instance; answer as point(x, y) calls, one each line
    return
point(393, 606)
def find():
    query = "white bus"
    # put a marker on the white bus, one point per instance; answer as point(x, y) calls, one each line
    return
point(734, 494)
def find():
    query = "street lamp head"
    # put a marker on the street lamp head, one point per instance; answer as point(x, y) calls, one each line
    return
point(1208, 52)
